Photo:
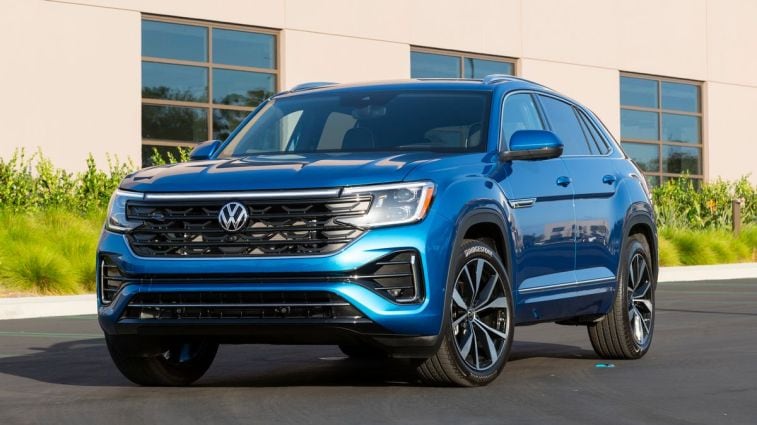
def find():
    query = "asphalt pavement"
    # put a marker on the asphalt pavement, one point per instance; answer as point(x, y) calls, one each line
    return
point(702, 369)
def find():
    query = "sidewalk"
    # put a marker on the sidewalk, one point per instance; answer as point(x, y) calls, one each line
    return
point(74, 305)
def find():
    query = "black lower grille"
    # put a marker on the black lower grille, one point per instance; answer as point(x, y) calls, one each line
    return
point(111, 279)
point(241, 305)
point(275, 227)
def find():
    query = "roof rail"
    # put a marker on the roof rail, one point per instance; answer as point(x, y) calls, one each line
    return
point(501, 78)
point(496, 78)
point(311, 85)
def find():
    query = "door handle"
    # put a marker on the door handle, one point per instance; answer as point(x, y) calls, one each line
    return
point(563, 181)
point(609, 179)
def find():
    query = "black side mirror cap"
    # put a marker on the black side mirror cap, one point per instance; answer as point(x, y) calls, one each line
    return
point(204, 150)
point(532, 145)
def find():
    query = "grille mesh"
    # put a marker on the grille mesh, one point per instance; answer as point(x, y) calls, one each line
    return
point(275, 228)
point(241, 305)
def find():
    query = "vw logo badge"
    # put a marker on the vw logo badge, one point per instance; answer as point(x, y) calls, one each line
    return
point(233, 217)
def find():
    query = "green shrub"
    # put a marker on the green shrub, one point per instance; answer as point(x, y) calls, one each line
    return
point(695, 247)
point(156, 158)
point(31, 182)
point(48, 252)
point(678, 203)
point(669, 255)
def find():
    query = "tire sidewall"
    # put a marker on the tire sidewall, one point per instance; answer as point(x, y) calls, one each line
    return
point(466, 252)
point(635, 245)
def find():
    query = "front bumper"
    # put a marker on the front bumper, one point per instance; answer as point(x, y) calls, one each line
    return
point(381, 321)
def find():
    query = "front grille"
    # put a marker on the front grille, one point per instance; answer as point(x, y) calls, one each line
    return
point(284, 305)
point(276, 227)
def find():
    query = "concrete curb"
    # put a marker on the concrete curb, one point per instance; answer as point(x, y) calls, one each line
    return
point(716, 272)
point(74, 305)
point(28, 307)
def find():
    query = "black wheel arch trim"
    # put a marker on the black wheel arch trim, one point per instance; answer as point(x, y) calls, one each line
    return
point(641, 213)
point(478, 215)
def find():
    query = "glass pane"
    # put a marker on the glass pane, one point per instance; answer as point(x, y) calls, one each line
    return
point(680, 159)
point(638, 92)
point(175, 82)
point(174, 123)
point(646, 156)
point(680, 128)
point(520, 114)
point(163, 151)
point(564, 122)
point(480, 68)
point(241, 88)
point(244, 48)
point(429, 65)
point(174, 41)
point(653, 181)
point(225, 121)
point(680, 97)
point(639, 125)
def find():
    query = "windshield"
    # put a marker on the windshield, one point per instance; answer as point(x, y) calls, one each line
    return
point(366, 121)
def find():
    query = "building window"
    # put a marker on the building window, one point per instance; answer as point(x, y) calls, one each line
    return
point(429, 63)
point(661, 126)
point(199, 80)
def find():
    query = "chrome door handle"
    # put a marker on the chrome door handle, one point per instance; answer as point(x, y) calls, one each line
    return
point(563, 181)
point(609, 179)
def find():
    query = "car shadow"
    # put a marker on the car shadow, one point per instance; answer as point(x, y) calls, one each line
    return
point(87, 363)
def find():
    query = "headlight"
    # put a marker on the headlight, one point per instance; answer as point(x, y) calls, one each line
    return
point(393, 204)
point(116, 220)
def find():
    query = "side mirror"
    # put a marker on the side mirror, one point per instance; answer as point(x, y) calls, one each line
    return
point(204, 150)
point(532, 144)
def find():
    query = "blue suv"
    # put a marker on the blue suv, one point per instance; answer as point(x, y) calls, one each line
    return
point(418, 219)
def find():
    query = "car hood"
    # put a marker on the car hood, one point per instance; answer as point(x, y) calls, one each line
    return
point(282, 171)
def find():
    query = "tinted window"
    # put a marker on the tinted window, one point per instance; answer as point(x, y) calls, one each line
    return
point(520, 114)
point(564, 122)
point(430, 65)
point(366, 121)
point(597, 144)
point(480, 68)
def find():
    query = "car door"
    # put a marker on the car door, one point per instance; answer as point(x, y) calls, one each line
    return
point(593, 179)
point(542, 213)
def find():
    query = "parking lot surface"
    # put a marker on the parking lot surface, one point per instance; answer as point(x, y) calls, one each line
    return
point(702, 369)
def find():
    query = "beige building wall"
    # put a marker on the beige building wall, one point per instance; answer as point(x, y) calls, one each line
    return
point(69, 81)
point(577, 47)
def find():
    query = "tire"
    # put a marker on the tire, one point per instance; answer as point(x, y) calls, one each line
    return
point(180, 364)
point(361, 351)
point(626, 331)
point(478, 326)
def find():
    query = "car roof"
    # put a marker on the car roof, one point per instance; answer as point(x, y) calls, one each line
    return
point(488, 83)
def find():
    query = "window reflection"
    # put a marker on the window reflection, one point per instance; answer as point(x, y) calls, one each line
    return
point(174, 82)
point(639, 125)
point(174, 41)
point(174, 123)
point(240, 87)
point(429, 65)
point(658, 118)
point(180, 70)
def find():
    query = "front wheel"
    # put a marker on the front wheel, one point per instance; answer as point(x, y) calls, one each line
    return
point(179, 363)
point(626, 331)
point(478, 331)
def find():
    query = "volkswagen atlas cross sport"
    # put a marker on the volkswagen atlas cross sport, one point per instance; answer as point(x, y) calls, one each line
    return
point(419, 219)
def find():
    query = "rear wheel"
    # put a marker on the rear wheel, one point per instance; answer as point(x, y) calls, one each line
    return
point(478, 333)
point(179, 363)
point(626, 331)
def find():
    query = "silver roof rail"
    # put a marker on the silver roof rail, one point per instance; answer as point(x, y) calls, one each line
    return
point(311, 85)
point(496, 78)
point(502, 78)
